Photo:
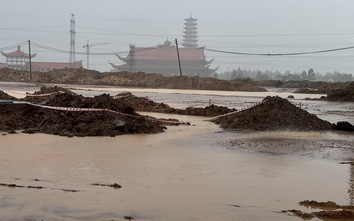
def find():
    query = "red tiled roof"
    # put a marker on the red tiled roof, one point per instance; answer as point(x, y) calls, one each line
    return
point(17, 53)
point(168, 53)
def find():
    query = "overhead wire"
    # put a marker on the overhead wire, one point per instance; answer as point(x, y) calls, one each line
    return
point(14, 46)
point(84, 53)
point(276, 54)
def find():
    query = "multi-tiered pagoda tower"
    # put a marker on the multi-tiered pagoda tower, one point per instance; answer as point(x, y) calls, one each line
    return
point(190, 37)
point(164, 58)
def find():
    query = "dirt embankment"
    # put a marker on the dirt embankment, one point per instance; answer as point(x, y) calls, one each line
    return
point(307, 87)
point(346, 94)
point(33, 119)
point(274, 113)
point(125, 79)
point(146, 105)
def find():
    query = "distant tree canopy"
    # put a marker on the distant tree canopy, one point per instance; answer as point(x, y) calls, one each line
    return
point(309, 75)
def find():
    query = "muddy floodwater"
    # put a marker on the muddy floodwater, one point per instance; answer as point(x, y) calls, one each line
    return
point(197, 172)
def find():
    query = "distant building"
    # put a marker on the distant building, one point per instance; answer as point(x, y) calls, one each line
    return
point(190, 37)
point(48, 66)
point(19, 60)
point(163, 59)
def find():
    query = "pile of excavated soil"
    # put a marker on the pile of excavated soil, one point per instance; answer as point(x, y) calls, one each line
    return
point(30, 119)
point(125, 79)
point(33, 119)
point(346, 94)
point(145, 104)
point(4, 96)
point(274, 113)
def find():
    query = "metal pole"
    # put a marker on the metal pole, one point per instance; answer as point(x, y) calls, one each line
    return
point(30, 59)
point(179, 60)
point(88, 53)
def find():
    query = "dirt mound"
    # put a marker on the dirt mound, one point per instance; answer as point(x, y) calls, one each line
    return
point(145, 104)
point(209, 111)
point(5, 96)
point(125, 79)
point(33, 119)
point(116, 115)
point(346, 94)
point(49, 92)
point(274, 113)
point(121, 119)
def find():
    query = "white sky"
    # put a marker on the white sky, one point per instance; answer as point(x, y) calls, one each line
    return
point(254, 26)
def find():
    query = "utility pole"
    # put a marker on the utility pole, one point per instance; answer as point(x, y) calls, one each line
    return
point(179, 60)
point(72, 58)
point(30, 59)
point(88, 46)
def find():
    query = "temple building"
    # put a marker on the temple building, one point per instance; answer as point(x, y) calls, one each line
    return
point(17, 59)
point(163, 58)
point(49, 66)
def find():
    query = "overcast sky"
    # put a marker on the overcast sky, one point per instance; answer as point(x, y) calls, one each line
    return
point(250, 26)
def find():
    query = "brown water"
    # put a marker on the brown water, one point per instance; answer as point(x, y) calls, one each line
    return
point(186, 173)
point(182, 174)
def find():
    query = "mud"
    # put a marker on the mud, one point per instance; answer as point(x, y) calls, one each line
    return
point(274, 113)
point(119, 115)
point(125, 79)
point(12, 185)
point(114, 186)
point(331, 210)
point(147, 105)
point(4, 96)
point(33, 119)
point(346, 94)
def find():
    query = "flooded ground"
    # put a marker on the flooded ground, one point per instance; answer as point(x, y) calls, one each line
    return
point(198, 172)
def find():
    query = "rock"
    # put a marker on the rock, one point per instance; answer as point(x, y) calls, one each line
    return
point(344, 126)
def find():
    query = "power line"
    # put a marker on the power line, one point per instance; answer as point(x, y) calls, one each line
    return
point(84, 53)
point(14, 46)
point(280, 54)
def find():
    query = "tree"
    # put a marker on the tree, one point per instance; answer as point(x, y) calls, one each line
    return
point(311, 76)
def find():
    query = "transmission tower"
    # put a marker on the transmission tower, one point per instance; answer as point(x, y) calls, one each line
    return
point(72, 58)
